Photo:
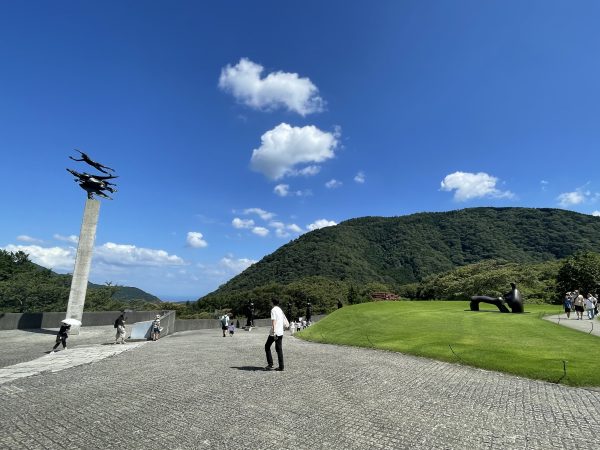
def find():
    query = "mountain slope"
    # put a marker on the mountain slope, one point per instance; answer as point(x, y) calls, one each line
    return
point(400, 250)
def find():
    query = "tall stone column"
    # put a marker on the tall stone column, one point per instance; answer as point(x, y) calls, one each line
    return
point(83, 261)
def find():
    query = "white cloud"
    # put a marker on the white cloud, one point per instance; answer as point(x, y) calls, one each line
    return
point(333, 184)
point(71, 238)
point(596, 213)
point(295, 228)
point(321, 223)
point(130, 255)
point(50, 257)
point(276, 90)
point(242, 223)
point(194, 239)
point(359, 177)
point(264, 215)
point(571, 198)
point(282, 190)
point(236, 265)
point(473, 185)
point(28, 239)
point(284, 147)
point(261, 231)
point(308, 171)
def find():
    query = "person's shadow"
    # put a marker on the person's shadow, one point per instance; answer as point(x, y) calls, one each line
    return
point(249, 368)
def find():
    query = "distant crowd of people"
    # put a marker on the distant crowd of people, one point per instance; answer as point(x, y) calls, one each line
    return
point(575, 301)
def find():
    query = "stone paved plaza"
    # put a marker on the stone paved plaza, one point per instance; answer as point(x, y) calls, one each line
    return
point(199, 390)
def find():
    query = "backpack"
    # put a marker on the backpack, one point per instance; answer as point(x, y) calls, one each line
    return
point(116, 323)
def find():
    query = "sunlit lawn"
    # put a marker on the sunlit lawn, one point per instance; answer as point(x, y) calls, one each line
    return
point(521, 344)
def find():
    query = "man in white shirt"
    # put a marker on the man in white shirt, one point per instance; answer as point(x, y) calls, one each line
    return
point(278, 321)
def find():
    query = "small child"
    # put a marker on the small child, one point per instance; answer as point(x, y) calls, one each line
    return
point(62, 336)
point(231, 329)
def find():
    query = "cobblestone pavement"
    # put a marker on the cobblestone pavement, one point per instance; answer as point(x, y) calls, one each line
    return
point(20, 346)
point(200, 390)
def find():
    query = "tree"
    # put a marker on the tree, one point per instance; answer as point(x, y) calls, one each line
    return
point(580, 271)
point(352, 295)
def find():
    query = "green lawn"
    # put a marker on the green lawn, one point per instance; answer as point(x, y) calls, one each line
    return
point(520, 344)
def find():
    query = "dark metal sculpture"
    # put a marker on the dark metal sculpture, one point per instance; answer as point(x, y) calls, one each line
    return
point(91, 162)
point(94, 184)
point(513, 299)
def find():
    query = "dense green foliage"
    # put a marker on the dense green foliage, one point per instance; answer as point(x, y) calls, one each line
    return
point(27, 287)
point(521, 344)
point(493, 246)
point(535, 281)
point(580, 271)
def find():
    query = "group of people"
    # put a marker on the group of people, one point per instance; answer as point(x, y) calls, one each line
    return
point(227, 325)
point(63, 332)
point(576, 301)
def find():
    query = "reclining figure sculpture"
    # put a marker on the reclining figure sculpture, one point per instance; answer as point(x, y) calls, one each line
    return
point(512, 299)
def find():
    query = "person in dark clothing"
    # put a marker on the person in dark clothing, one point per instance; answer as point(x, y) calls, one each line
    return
point(339, 304)
point(308, 313)
point(250, 315)
point(62, 336)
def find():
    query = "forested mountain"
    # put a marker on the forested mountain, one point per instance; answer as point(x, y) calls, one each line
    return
point(27, 287)
point(395, 251)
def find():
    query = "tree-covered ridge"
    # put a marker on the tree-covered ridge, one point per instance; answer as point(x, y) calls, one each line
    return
point(27, 287)
point(396, 251)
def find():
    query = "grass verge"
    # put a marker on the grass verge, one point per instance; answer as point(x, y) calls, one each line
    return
point(519, 344)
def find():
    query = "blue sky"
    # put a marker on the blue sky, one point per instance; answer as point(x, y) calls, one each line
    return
point(236, 126)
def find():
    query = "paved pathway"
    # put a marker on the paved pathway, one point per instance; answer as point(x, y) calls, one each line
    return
point(200, 390)
point(585, 325)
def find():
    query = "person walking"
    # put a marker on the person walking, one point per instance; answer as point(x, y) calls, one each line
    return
point(589, 306)
point(120, 326)
point(578, 303)
point(278, 323)
point(224, 323)
point(61, 337)
point(156, 328)
point(308, 313)
point(568, 304)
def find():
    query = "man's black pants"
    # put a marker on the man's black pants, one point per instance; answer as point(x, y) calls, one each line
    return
point(278, 349)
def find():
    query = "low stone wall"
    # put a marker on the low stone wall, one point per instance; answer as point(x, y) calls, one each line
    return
point(30, 321)
point(206, 324)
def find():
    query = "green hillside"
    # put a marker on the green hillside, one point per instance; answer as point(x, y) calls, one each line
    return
point(390, 252)
point(28, 287)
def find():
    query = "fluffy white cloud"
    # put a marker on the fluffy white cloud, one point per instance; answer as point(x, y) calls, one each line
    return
point(194, 239)
point(264, 215)
point(242, 223)
point(333, 184)
point(282, 190)
point(236, 265)
point(260, 231)
point(572, 198)
point(71, 238)
point(596, 213)
point(50, 257)
point(276, 90)
point(321, 223)
point(359, 177)
point(28, 239)
point(294, 228)
point(473, 185)
point(130, 255)
point(308, 171)
point(284, 147)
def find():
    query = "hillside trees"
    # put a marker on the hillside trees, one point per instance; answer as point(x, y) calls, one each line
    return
point(580, 271)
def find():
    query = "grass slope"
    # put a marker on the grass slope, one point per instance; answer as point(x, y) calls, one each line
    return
point(480, 339)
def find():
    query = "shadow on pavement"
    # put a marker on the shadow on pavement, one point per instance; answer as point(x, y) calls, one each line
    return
point(250, 368)
point(40, 331)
